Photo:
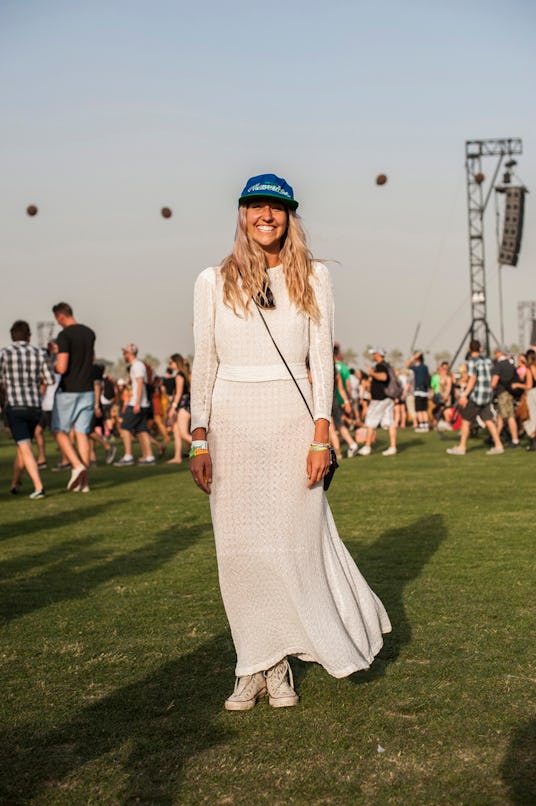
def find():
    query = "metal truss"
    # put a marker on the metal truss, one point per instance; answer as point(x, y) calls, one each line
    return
point(475, 151)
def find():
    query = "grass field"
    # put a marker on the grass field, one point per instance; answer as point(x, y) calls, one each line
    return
point(116, 656)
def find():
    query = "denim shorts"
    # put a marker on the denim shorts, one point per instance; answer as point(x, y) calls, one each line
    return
point(73, 410)
point(22, 421)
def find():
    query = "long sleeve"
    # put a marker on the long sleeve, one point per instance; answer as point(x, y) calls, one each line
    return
point(321, 345)
point(205, 363)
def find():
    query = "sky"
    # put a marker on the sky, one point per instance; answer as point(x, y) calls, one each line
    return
point(112, 109)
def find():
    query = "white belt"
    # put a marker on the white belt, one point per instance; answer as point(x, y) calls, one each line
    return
point(267, 372)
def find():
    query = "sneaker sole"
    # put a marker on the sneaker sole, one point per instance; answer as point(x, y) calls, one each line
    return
point(283, 702)
point(243, 706)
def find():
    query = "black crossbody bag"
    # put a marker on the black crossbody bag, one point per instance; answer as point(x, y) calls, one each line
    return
point(333, 458)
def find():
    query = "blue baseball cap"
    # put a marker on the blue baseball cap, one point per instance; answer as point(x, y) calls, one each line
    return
point(268, 186)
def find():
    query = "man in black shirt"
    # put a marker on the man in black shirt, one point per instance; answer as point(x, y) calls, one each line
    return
point(504, 373)
point(381, 407)
point(74, 403)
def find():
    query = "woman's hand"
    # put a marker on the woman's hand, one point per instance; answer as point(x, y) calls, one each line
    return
point(318, 463)
point(201, 470)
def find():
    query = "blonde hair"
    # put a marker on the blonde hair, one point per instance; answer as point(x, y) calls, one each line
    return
point(244, 271)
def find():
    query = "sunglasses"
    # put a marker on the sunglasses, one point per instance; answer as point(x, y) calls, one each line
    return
point(265, 298)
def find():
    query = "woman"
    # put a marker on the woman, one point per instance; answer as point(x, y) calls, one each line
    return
point(528, 386)
point(179, 408)
point(288, 584)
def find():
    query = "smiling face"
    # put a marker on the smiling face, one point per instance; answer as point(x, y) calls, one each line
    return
point(266, 224)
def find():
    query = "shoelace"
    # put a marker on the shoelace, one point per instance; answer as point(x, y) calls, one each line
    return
point(279, 672)
point(248, 687)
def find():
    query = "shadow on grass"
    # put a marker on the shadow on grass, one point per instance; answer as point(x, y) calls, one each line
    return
point(113, 477)
point(69, 578)
point(519, 766)
point(409, 444)
point(56, 520)
point(149, 728)
point(401, 554)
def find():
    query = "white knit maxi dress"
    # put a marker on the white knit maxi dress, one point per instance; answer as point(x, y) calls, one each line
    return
point(288, 583)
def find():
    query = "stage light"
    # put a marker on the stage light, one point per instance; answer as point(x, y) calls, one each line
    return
point(479, 178)
point(166, 212)
point(31, 210)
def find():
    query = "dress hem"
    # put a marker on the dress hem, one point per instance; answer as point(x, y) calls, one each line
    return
point(307, 657)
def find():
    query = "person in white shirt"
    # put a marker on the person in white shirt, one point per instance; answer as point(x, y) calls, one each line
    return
point(134, 422)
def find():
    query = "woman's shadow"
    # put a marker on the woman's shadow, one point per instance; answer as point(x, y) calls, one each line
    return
point(389, 565)
point(155, 725)
point(519, 766)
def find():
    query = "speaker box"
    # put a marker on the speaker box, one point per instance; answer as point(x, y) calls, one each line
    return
point(513, 226)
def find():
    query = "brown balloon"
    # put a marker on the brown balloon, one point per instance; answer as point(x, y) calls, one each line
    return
point(31, 209)
point(166, 212)
point(381, 179)
point(479, 178)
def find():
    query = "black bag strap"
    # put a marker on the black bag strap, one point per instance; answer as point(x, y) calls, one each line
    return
point(283, 360)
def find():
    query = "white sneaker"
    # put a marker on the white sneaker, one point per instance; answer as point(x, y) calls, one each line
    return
point(280, 684)
point(456, 451)
point(364, 451)
point(78, 477)
point(389, 452)
point(246, 692)
point(353, 450)
point(495, 451)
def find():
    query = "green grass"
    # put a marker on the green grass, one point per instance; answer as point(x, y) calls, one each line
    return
point(115, 655)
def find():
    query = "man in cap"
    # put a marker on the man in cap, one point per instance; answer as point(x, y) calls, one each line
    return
point(504, 374)
point(134, 422)
point(381, 408)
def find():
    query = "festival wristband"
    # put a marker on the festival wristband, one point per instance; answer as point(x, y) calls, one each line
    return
point(197, 452)
point(200, 443)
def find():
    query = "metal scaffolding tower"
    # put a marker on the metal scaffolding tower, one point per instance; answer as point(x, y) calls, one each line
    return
point(475, 151)
point(45, 331)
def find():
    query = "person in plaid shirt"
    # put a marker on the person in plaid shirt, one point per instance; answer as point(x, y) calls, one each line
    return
point(23, 368)
point(475, 401)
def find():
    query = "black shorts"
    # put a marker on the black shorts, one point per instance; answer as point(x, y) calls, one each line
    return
point(336, 415)
point(471, 411)
point(184, 403)
point(135, 423)
point(46, 419)
point(96, 422)
point(22, 421)
point(421, 403)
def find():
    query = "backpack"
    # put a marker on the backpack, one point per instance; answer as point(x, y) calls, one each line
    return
point(394, 387)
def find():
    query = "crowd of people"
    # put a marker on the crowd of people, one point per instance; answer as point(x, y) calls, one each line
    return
point(61, 394)
point(499, 395)
point(154, 410)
